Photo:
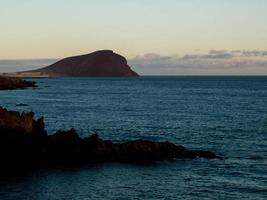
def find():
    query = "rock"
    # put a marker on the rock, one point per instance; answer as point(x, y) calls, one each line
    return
point(11, 83)
point(65, 138)
point(12, 121)
point(22, 105)
point(97, 64)
point(24, 142)
point(140, 150)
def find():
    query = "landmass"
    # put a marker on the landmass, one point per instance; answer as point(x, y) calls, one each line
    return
point(11, 83)
point(104, 63)
point(26, 145)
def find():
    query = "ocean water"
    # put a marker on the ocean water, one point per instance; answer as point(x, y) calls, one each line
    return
point(227, 115)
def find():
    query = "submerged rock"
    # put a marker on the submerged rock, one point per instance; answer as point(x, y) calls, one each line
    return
point(25, 144)
point(11, 83)
point(22, 105)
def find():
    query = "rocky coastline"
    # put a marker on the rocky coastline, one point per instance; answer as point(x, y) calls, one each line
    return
point(26, 145)
point(12, 83)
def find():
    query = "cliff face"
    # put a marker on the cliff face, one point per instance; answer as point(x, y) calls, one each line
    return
point(99, 63)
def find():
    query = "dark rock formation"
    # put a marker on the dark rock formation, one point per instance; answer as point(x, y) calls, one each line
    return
point(14, 122)
point(10, 83)
point(22, 105)
point(24, 145)
point(99, 63)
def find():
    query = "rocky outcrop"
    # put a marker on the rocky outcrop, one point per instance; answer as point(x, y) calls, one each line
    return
point(98, 64)
point(12, 121)
point(24, 144)
point(22, 105)
point(11, 83)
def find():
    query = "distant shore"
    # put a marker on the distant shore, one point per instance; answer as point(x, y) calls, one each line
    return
point(26, 75)
point(11, 83)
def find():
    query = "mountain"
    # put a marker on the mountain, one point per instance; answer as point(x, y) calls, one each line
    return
point(99, 63)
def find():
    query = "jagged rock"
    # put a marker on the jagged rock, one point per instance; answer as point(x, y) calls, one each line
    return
point(24, 143)
point(140, 150)
point(12, 121)
point(11, 83)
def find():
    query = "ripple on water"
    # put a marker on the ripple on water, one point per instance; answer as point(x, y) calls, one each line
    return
point(224, 114)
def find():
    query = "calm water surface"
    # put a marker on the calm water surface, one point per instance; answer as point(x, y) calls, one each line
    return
point(227, 115)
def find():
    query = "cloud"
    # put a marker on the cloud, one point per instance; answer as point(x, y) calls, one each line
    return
point(212, 62)
point(153, 61)
point(151, 57)
point(223, 54)
point(245, 53)
point(213, 54)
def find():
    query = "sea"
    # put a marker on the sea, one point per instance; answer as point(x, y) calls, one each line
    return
point(223, 114)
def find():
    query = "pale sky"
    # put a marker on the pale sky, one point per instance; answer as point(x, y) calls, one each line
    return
point(33, 29)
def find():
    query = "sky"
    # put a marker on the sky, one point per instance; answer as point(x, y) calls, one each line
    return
point(156, 36)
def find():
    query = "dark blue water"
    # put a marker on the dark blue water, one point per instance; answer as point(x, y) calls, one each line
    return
point(227, 115)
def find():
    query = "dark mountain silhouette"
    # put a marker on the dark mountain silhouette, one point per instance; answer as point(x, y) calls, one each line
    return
point(99, 63)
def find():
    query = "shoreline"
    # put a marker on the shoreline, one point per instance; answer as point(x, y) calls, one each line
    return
point(25, 142)
point(12, 83)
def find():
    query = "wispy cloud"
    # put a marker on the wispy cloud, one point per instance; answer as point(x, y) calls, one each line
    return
point(245, 53)
point(223, 54)
point(213, 54)
point(211, 62)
